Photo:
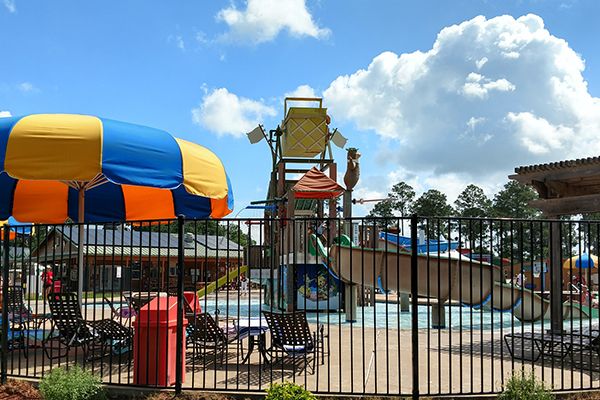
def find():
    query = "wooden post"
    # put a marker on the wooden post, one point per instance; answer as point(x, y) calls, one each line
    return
point(80, 248)
point(556, 306)
point(332, 205)
point(351, 292)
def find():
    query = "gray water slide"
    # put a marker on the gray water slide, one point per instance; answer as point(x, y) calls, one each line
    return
point(445, 277)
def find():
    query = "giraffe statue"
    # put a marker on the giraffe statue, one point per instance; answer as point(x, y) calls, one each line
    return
point(353, 169)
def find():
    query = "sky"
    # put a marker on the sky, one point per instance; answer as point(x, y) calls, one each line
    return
point(439, 94)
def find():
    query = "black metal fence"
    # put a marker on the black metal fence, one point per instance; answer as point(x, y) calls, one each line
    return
point(402, 306)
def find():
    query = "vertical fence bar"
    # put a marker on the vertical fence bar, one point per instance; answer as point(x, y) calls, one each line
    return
point(414, 299)
point(5, 267)
point(180, 274)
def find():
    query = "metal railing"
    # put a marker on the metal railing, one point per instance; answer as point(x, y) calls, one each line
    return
point(400, 306)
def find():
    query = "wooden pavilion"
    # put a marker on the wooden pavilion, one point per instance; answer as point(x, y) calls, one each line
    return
point(567, 187)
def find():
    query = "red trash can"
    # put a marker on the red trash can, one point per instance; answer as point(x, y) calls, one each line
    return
point(155, 343)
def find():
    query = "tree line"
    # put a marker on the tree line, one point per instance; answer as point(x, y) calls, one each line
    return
point(522, 236)
point(510, 202)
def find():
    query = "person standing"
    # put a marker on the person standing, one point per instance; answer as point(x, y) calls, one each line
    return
point(47, 280)
point(243, 284)
point(520, 279)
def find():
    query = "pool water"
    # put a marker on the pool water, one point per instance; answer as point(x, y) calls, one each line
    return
point(388, 315)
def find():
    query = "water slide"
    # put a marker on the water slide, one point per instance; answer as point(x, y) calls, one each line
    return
point(222, 281)
point(315, 245)
point(445, 277)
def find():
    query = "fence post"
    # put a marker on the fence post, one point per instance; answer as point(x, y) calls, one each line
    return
point(180, 305)
point(414, 300)
point(5, 267)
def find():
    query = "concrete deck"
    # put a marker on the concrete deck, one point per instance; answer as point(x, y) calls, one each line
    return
point(369, 360)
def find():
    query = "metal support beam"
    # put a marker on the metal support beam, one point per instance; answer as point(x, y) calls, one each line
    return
point(556, 307)
point(5, 267)
point(179, 353)
point(351, 290)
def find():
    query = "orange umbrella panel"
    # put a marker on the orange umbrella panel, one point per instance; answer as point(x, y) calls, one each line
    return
point(127, 172)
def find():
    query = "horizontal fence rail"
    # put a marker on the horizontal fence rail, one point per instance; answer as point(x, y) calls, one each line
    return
point(417, 306)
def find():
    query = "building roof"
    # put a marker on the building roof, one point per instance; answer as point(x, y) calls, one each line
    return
point(566, 187)
point(218, 242)
point(101, 241)
point(565, 164)
point(314, 184)
point(17, 253)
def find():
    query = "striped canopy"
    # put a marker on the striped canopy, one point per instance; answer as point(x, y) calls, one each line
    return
point(126, 172)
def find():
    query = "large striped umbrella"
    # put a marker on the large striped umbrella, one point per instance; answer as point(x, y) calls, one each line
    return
point(90, 169)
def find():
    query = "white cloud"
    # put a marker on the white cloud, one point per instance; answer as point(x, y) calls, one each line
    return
point(10, 6)
point(478, 86)
point(225, 113)
point(177, 40)
point(302, 91)
point(263, 20)
point(490, 95)
point(27, 87)
point(5, 114)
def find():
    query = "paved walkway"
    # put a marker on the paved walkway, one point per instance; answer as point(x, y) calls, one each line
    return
point(369, 360)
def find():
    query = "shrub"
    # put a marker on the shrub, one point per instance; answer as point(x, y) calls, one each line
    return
point(288, 391)
point(72, 384)
point(525, 387)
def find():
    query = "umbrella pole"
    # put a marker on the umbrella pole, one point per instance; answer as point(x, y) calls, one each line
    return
point(80, 219)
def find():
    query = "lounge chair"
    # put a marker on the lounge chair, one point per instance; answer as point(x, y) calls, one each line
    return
point(71, 330)
point(19, 314)
point(291, 337)
point(15, 339)
point(532, 345)
point(120, 313)
point(204, 336)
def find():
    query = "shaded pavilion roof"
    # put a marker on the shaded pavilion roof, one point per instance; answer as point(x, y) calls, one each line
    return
point(565, 187)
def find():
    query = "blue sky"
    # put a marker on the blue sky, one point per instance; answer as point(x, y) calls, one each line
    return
point(440, 94)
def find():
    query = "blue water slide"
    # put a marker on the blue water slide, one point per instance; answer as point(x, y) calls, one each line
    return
point(428, 247)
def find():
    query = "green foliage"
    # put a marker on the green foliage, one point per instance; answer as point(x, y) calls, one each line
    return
point(432, 203)
point(523, 386)
point(402, 196)
point(72, 384)
point(236, 231)
point(472, 202)
point(591, 232)
point(382, 209)
point(399, 201)
point(513, 201)
point(288, 391)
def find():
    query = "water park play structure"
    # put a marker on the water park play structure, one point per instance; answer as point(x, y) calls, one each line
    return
point(315, 279)
point(301, 144)
point(445, 277)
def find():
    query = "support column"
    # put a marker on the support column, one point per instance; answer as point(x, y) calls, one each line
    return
point(351, 290)
point(556, 306)
point(350, 296)
point(438, 316)
point(404, 302)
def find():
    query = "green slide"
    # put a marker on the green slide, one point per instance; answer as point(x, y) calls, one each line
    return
point(222, 281)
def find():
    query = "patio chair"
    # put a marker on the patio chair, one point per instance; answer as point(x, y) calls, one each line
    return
point(120, 313)
point(15, 339)
point(19, 314)
point(567, 344)
point(291, 337)
point(137, 300)
point(71, 330)
point(204, 336)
